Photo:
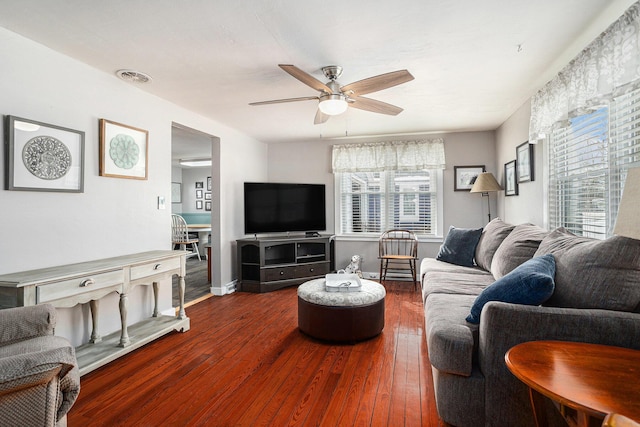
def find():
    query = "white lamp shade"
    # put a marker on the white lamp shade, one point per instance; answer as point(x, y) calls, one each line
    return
point(333, 105)
point(628, 220)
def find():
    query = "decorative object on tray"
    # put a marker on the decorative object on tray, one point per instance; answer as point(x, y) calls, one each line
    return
point(43, 157)
point(342, 282)
point(465, 176)
point(524, 156)
point(123, 151)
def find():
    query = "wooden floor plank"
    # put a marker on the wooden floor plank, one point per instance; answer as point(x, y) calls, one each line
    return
point(245, 363)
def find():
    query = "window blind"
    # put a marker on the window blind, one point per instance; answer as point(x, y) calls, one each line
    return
point(372, 202)
point(588, 160)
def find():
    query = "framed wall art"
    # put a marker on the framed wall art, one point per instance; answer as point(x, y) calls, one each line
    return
point(207, 196)
point(198, 204)
point(207, 206)
point(524, 157)
point(465, 176)
point(176, 192)
point(123, 151)
point(510, 180)
point(208, 183)
point(198, 194)
point(43, 157)
point(199, 184)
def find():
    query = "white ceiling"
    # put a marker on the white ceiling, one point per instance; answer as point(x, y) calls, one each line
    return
point(214, 57)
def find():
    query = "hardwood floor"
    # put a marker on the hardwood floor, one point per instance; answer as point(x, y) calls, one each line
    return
point(245, 363)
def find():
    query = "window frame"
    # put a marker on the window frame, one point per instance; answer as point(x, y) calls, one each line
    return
point(439, 210)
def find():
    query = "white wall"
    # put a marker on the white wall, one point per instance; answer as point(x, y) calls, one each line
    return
point(528, 205)
point(310, 162)
point(113, 216)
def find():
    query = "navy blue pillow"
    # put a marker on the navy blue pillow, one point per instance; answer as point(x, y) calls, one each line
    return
point(531, 283)
point(459, 246)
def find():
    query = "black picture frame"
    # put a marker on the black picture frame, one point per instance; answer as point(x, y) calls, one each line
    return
point(208, 183)
point(510, 178)
point(43, 157)
point(198, 204)
point(207, 206)
point(199, 184)
point(198, 194)
point(465, 176)
point(525, 162)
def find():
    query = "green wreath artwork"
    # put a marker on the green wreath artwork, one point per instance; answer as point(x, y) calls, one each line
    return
point(124, 151)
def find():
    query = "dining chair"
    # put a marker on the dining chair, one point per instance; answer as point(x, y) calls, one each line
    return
point(398, 253)
point(180, 235)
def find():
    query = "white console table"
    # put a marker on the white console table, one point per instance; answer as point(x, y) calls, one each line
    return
point(88, 282)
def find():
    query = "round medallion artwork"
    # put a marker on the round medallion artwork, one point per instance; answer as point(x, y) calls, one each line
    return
point(124, 151)
point(46, 157)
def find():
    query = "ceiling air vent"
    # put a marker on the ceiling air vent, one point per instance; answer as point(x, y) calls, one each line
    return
point(133, 76)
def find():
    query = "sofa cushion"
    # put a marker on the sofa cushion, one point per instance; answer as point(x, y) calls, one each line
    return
point(459, 246)
point(518, 247)
point(451, 282)
point(593, 273)
point(451, 341)
point(531, 283)
point(492, 236)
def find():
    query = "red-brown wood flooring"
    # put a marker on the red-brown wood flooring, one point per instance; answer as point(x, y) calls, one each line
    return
point(245, 363)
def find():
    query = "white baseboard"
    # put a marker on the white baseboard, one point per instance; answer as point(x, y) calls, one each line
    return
point(229, 288)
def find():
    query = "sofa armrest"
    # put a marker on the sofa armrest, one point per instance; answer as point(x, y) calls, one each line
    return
point(503, 325)
point(22, 323)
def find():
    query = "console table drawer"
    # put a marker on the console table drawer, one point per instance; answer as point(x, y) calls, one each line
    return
point(153, 268)
point(282, 273)
point(312, 270)
point(78, 285)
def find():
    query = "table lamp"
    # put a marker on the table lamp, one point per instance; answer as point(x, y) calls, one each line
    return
point(628, 221)
point(486, 183)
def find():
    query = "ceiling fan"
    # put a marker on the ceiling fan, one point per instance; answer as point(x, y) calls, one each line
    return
point(335, 99)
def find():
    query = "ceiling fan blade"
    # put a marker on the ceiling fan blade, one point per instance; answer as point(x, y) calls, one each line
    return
point(320, 117)
point(376, 83)
point(374, 106)
point(279, 101)
point(305, 78)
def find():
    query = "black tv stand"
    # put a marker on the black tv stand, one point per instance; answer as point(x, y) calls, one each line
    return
point(269, 263)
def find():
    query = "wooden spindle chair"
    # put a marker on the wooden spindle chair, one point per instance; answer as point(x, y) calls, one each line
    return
point(398, 252)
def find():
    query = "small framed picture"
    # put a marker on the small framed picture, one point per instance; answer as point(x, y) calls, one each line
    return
point(510, 181)
point(198, 194)
point(524, 157)
point(198, 204)
point(208, 183)
point(199, 184)
point(465, 176)
point(43, 157)
point(207, 196)
point(207, 206)
point(123, 150)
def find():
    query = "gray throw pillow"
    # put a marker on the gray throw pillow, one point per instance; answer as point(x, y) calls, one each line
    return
point(593, 273)
point(459, 246)
point(531, 283)
point(518, 247)
point(492, 236)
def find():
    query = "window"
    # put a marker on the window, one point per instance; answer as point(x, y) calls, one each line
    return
point(372, 202)
point(588, 160)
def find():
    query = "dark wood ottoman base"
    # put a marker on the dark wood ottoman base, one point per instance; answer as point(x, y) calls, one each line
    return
point(345, 324)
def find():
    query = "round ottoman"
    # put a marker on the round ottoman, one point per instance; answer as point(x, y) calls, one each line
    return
point(341, 316)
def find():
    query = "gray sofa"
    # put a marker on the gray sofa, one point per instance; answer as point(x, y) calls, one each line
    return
point(39, 377)
point(596, 299)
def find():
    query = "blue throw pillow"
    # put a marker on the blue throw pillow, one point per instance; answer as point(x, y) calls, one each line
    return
point(459, 246)
point(531, 283)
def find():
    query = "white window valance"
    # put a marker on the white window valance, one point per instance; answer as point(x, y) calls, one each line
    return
point(390, 155)
point(602, 70)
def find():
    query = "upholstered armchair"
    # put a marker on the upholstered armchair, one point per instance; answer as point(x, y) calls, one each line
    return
point(39, 377)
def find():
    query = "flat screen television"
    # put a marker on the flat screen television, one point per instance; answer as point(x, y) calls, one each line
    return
point(283, 207)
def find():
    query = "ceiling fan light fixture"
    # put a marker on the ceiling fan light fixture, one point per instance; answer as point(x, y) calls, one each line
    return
point(333, 105)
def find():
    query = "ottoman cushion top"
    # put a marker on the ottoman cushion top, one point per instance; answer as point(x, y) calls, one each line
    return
point(314, 292)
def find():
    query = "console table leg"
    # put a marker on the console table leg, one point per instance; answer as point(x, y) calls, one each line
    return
point(95, 336)
point(181, 313)
point(155, 299)
point(124, 335)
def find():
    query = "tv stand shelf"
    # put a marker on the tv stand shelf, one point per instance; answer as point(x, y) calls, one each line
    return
point(269, 263)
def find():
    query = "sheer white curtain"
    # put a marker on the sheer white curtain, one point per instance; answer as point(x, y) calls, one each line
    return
point(389, 156)
point(603, 69)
